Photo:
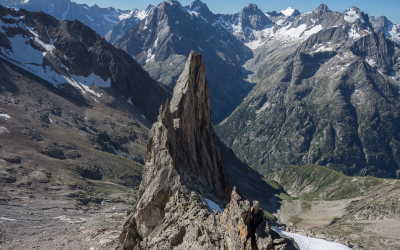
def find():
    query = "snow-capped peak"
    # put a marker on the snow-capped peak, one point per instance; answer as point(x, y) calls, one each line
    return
point(289, 12)
point(351, 15)
point(139, 14)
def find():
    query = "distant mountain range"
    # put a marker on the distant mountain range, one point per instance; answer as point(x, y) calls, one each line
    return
point(285, 87)
point(102, 20)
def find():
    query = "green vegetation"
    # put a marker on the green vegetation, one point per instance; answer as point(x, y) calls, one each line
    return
point(269, 215)
point(295, 220)
point(312, 182)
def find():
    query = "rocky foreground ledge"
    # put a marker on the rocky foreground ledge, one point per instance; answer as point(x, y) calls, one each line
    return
point(185, 184)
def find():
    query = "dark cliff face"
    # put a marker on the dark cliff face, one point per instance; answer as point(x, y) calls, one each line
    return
point(80, 51)
point(184, 168)
point(249, 16)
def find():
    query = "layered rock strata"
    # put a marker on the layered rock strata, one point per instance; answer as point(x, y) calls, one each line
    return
point(184, 173)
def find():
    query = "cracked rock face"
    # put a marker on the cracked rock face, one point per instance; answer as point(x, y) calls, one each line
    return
point(184, 167)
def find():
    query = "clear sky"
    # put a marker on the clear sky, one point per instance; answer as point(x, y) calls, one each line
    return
point(388, 8)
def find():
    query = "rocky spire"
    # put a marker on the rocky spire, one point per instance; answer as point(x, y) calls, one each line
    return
point(182, 153)
point(183, 177)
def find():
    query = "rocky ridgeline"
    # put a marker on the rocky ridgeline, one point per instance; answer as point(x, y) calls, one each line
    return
point(184, 171)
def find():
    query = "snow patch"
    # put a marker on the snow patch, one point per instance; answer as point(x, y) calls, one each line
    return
point(308, 243)
point(83, 83)
point(5, 115)
point(213, 205)
point(323, 48)
point(129, 101)
point(371, 62)
point(195, 12)
point(353, 33)
point(91, 19)
point(288, 12)
point(3, 130)
point(351, 16)
point(48, 47)
point(293, 32)
point(65, 13)
point(13, 17)
point(313, 30)
point(4, 218)
point(142, 14)
point(263, 108)
point(253, 44)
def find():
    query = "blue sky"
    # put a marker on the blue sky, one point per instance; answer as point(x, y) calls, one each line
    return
point(388, 8)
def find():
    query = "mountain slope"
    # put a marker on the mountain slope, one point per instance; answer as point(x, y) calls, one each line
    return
point(101, 20)
point(331, 100)
point(127, 23)
point(67, 52)
point(389, 29)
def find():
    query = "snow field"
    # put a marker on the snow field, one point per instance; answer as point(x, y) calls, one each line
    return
point(308, 243)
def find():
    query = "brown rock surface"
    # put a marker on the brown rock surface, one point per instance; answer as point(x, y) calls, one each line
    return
point(182, 155)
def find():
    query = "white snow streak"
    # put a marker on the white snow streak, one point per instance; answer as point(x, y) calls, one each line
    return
point(213, 205)
point(308, 243)
point(3, 218)
point(65, 13)
point(5, 115)
point(353, 33)
point(129, 101)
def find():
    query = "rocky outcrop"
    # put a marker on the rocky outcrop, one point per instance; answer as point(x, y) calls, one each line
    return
point(184, 182)
point(189, 223)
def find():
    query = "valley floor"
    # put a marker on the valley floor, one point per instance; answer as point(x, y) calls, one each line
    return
point(317, 216)
point(49, 220)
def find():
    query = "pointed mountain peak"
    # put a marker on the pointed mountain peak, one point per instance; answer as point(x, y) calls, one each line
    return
point(173, 2)
point(197, 3)
point(149, 8)
point(193, 74)
point(252, 9)
point(322, 8)
point(251, 6)
point(353, 14)
point(199, 7)
point(290, 12)
point(273, 13)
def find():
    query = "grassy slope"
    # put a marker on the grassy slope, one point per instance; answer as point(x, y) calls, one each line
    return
point(313, 182)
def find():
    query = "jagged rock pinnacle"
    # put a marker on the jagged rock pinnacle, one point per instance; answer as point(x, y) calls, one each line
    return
point(182, 153)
